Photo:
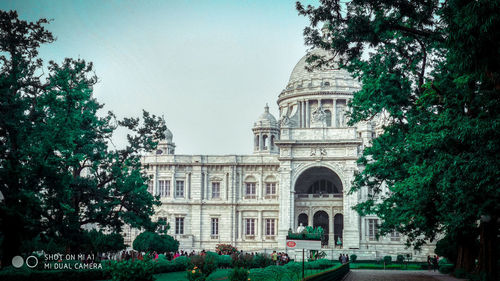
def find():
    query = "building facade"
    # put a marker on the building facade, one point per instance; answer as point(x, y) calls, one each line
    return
point(300, 172)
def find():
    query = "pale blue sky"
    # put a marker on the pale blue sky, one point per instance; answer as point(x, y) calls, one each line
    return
point(208, 66)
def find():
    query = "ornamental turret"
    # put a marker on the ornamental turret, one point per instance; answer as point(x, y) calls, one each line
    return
point(266, 132)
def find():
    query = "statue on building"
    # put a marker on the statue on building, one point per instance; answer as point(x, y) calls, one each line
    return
point(300, 228)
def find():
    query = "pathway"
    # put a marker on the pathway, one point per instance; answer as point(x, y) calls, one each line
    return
point(397, 275)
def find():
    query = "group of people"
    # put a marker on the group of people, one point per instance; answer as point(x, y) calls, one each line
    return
point(280, 258)
point(343, 258)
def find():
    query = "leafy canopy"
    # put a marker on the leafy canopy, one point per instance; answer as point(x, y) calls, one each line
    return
point(59, 173)
point(430, 70)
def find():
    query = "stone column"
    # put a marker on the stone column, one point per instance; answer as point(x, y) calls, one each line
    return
point(173, 185)
point(155, 181)
point(261, 145)
point(240, 224)
point(334, 115)
point(188, 179)
point(307, 115)
point(260, 232)
point(241, 184)
point(299, 110)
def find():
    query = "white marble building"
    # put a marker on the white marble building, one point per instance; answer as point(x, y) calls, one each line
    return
point(300, 171)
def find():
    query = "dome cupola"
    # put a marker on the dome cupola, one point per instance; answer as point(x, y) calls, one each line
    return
point(266, 132)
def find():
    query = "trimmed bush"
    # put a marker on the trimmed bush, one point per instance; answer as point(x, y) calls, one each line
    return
point(132, 270)
point(239, 274)
point(353, 258)
point(261, 260)
point(400, 259)
point(446, 268)
point(387, 259)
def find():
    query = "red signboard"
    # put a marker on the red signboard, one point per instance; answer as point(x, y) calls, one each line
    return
point(291, 244)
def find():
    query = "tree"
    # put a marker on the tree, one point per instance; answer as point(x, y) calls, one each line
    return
point(432, 67)
point(59, 172)
point(151, 241)
point(100, 242)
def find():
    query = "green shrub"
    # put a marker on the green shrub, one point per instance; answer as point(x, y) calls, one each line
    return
point(387, 260)
point(224, 261)
point(261, 260)
point(182, 262)
point(446, 268)
point(293, 270)
point(353, 258)
point(152, 241)
point(204, 264)
point(165, 266)
point(195, 274)
point(239, 274)
point(400, 259)
point(226, 248)
point(443, 261)
point(132, 270)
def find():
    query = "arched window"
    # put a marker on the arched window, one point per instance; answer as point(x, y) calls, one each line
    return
point(303, 219)
point(272, 142)
point(264, 142)
point(328, 118)
point(257, 141)
point(327, 83)
point(323, 187)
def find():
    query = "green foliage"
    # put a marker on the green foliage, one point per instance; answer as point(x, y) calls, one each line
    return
point(151, 241)
point(100, 242)
point(137, 270)
point(195, 274)
point(387, 260)
point(239, 274)
point(58, 170)
point(447, 247)
point(182, 262)
point(309, 233)
point(430, 75)
point(400, 259)
point(261, 260)
point(353, 258)
point(226, 249)
point(203, 265)
point(446, 268)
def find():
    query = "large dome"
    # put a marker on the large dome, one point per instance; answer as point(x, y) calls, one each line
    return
point(303, 81)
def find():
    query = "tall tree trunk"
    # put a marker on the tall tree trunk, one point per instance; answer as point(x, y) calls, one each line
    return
point(466, 255)
point(487, 263)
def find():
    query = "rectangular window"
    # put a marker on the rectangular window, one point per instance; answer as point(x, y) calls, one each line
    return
point(270, 188)
point(250, 227)
point(179, 189)
point(179, 226)
point(372, 229)
point(216, 190)
point(250, 190)
point(215, 227)
point(163, 188)
point(395, 236)
point(270, 227)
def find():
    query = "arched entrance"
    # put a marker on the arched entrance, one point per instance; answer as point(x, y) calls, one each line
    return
point(303, 219)
point(321, 219)
point(320, 182)
point(338, 228)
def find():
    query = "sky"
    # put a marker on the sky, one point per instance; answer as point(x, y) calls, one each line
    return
point(209, 67)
